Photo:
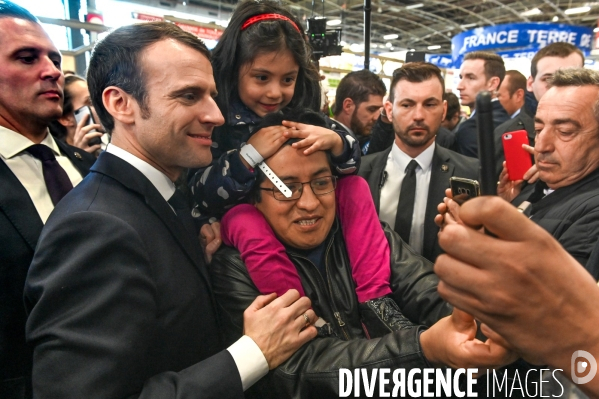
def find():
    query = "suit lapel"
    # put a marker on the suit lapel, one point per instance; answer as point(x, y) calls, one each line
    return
point(127, 175)
point(441, 171)
point(16, 204)
point(78, 157)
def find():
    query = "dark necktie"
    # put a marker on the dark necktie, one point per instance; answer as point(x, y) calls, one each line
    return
point(405, 206)
point(57, 180)
point(179, 204)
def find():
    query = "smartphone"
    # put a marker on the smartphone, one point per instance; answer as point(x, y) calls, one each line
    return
point(486, 144)
point(79, 114)
point(517, 160)
point(463, 189)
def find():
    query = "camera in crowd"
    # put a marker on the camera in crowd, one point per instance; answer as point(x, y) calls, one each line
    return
point(324, 41)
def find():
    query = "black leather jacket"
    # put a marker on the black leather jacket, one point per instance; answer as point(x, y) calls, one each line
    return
point(313, 371)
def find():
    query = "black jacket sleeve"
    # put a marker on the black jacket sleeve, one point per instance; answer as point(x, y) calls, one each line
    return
point(313, 371)
point(93, 326)
point(382, 137)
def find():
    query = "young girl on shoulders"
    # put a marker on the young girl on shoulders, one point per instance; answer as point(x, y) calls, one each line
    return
point(261, 66)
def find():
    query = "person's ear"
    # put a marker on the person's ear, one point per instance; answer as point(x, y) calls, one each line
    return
point(389, 109)
point(529, 82)
point(348, 106)
point(120, 105)
point(67, 120)
point(444, 110)
point(519, 95)
point(493, 84)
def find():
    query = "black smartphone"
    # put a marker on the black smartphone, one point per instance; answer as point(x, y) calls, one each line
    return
point(463, 189)
point(79, 114)
point(486, 144)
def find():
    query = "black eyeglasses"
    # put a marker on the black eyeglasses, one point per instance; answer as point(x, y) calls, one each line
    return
point(320, 186)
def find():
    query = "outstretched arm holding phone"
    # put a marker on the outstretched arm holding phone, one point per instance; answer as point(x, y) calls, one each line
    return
point(522, 284)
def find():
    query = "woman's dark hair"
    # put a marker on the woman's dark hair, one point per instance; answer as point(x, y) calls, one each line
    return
point(237, 48)
point(56, 128)
point(301, 115)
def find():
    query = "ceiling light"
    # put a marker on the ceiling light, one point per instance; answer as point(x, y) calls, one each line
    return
point(555, 18)
point(577, 10)
point(391, 48)
point(412, 6)
point(373, 45)
point(334, 22)
point(531, 12)
point(388, 44)
point(434, 47)
point(391, 37)
point(412, 49)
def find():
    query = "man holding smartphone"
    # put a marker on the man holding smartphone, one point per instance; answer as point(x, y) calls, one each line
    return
point(565, 199)
point(408, 180)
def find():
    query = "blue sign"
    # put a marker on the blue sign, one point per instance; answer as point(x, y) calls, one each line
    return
point(440, 60)
point(528, 36)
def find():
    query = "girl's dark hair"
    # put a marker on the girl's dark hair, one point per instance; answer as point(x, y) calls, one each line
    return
point(236, 48)
point(56, 128)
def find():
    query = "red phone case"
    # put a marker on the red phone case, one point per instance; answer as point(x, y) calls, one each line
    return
point(516, 158)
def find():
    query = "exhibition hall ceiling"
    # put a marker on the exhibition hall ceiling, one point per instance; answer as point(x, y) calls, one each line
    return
point(419, 24)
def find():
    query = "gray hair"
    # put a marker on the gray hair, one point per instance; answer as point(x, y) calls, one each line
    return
point(577, 77)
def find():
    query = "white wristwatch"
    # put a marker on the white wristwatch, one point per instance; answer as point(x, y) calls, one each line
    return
point(253, 157)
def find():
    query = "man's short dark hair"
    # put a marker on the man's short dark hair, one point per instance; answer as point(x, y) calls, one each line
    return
point(358, 86)
point(302, 115)
point(494, 65)
point(517, 81)
point(116, 62)
point(415, 72)
point(559, 49)
point(453, 105)
point(8, 9)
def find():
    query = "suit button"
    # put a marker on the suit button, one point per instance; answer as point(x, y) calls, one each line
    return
point(78, 155)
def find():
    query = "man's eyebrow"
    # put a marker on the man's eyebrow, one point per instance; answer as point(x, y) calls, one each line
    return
point(36, 50)
point(565, 121)
point(295, 178)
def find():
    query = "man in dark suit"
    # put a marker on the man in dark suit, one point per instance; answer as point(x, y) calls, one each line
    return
point(126, 308)
point(358, 100)
point(480, 71)
point(31, 96)
point(416, 108)
point(511, 95)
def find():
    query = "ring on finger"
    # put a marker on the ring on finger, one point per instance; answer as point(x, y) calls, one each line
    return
point(307, 319)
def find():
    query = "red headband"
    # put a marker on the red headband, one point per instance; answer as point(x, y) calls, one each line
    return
point(266, 17)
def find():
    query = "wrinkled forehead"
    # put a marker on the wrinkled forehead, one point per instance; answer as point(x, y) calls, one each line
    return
point(291, 164)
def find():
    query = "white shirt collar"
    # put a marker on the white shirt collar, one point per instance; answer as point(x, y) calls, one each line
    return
point(401, 159)
point(345, 127)
point(163, 184)
point(515, 114)
point(13, 143)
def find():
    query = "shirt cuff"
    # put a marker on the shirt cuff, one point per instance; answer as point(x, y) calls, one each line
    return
point(250, 361)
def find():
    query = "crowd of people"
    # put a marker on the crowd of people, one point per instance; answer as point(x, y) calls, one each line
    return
point(232, 241)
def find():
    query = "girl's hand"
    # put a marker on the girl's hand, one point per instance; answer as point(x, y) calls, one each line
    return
point(315, 138)
point(83, 134)
point(268, 140)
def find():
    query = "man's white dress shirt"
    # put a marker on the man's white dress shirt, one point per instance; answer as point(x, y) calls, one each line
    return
point(395, 171)
point(28, 169)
